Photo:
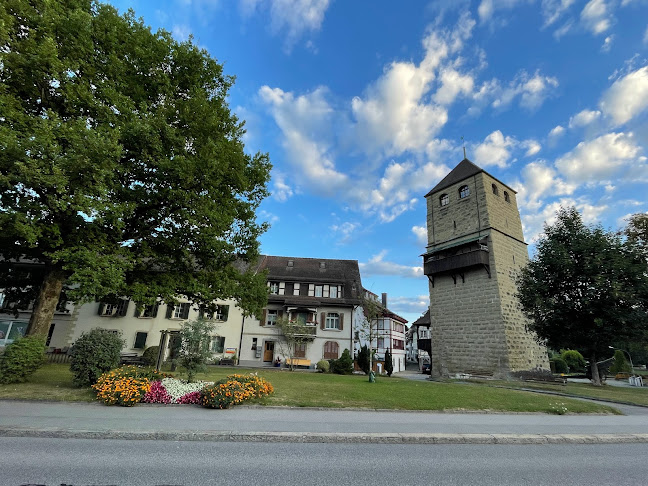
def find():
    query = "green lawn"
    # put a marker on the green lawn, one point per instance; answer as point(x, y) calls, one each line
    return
point(638, 396)
point(299, 389)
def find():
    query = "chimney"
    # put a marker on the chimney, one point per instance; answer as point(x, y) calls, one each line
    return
point(384, 300)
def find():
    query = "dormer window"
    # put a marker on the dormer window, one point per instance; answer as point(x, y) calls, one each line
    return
point(464, 192)
point(507, 198)
point(290, 263)
point(444, 200)
point(322, 264)
point(495, 190)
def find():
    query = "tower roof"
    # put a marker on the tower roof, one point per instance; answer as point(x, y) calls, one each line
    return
point(463, 170)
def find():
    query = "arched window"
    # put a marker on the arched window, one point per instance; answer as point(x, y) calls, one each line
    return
point(495, 190)
point(331, 350)
point(444, 200)
point(506, 197)
point(464, 192)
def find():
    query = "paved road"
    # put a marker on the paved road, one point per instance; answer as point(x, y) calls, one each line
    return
point(58, 416)
point(113, 462)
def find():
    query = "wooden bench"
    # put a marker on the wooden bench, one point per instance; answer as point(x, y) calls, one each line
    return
point(298, 362)
point(130, 359)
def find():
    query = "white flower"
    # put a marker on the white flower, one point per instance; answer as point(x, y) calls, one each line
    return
point(179, 388)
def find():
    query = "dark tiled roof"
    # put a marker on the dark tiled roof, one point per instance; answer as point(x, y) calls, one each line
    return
point(462, 171)
point(315, 270)
point(424, 320)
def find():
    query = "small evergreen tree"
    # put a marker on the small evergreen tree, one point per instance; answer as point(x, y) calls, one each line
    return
point(620, 364)
point(389, 364)
point(343, 365)
point(194, 351)
point(363, 359)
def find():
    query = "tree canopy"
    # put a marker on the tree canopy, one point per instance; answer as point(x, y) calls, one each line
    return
point(122, 169)
point(585, 288)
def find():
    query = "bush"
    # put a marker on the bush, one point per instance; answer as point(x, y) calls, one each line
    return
point(324, 366)
point(21, 358)
point(620, 364)
point(343, 365)
point(363, 359)
point(233, 390)
point(389, 363)
point(150, 355)
point(124, 386)
point(194, 351)
point(93, 354)
point(536, 375)
point(574, 360)
point(560, 366)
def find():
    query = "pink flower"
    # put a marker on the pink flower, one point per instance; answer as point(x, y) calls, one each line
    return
point(193, 397)
point(157, 394)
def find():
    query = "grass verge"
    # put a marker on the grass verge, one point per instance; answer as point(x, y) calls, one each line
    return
point(298, 389)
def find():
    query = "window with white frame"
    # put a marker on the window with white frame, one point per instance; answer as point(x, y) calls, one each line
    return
point(274, 288)
point(296, 288)
point(444, 200)
point(272, 316)
point(464, 192)
point(381, 343)
point(319, 290)
point(332, 321)
point(181, 311)
point(218, 344)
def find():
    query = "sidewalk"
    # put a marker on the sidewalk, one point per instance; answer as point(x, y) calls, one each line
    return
point(278, 424)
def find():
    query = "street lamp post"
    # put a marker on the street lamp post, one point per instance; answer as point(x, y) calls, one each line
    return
point(629, 357)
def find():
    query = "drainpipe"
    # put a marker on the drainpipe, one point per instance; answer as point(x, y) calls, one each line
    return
point(238, 360)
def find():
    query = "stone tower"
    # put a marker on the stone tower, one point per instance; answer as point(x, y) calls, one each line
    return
point(475, 249)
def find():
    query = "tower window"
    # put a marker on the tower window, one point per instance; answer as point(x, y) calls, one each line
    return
point(444, 200)
point(506, 197)
point(495, 190)
point(464, 192)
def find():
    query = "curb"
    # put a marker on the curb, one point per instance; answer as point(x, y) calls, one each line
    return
point(329, 438)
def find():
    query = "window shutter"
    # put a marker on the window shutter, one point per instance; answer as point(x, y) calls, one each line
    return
point(262, 322)
point(140, 340)
point(341, 321)
point(137, 314)
point(311, 290)
point(323, 321)
point(123, 307)
point(169, 312)
point(225, 312)
point(155, 310)
point(282, 288)
point(280, 314)
point(185, 311)
point(102, 308)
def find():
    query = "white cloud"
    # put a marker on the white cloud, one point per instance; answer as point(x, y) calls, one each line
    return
point(303, 121)
point(552, 10)
point(538, 181)
point(282, 191)
point(532, 90)
point(532, 146)
point(345, 230)
point(487, 8)
point(607, 43)
point(599, 160)
point(453, 84)
point(596, 16)
point(627, 97)
point(584, 118)
point(292, 17)
point(533, 223)
point(413, 305)
point(556, 132)
point(377, 266)
point(494, 150)
point(645, 38)
point(421, 235)
point(563, 30)
point(269, 217)
point(181, 32)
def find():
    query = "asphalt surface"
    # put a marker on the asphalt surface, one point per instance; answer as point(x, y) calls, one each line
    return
point(279, 424)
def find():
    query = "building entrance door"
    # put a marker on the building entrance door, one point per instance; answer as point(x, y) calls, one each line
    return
point(268, 352)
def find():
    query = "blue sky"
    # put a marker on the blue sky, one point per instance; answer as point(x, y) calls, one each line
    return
point(362, 105)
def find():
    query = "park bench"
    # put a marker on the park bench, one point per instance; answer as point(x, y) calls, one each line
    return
point(298, 362)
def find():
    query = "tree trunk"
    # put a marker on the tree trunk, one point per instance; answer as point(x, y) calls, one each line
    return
point(46, 302)
point(596, 379)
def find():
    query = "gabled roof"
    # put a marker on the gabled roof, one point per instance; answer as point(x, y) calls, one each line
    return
point(313, 270)
point(424, 320)
point(463, 170)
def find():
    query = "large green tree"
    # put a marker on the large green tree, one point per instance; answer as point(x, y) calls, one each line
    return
point(122, 170)
point(585, 288)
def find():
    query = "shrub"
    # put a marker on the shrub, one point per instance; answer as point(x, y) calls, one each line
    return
point(560, 366)
point(124, 386)
point(149, 357)
point(389, 363)
point(194, 351)
point(21, 358)
point(94, 353)
point(343, 365)
point(259, 386)
point(363, 359)
point(536, 375)
point(323, 365)
point(157, 394)
point(574, 360)
point(620, 364)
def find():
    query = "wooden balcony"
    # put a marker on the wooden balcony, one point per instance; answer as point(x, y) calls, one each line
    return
point(437, 264)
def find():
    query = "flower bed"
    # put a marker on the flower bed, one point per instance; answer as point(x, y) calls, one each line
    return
point(129, 385)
